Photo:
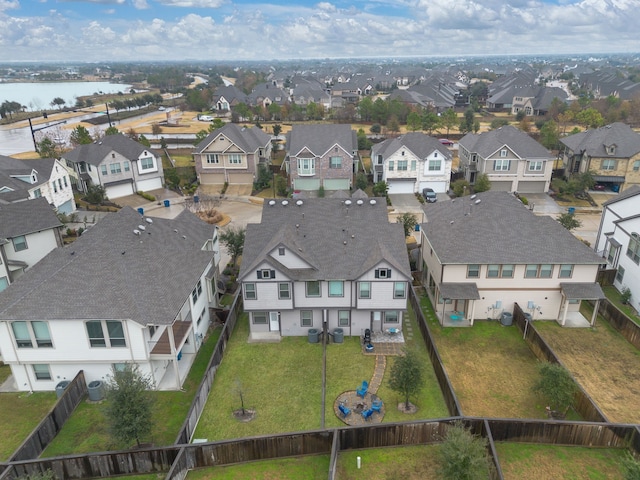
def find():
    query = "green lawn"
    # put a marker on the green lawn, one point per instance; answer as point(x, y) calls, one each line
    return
point(408, 463)
point(86, 430)
point(613, 295)
point(308, 468)
point(521, 461)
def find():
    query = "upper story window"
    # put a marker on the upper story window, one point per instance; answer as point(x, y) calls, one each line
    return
point(336, 288)
point(146, 163)
point(435, 165)
point(609, 164)
point(382, 273)
point(28, 334)
point(538, 271)
point(266, 274)
point(633, 250)
point(250, 291)
point(493, 271)
point(473, 270)
point(235, 159)
point(391, 165)
point(566, 271)
point(413, 165)
point(399, 290)
point(364, 290)
point(636, 165)
point(335, 162)
point(306, 166)
point(115, 168)
point(103, 169)
point(114, 337)
point(536, 166)
point(126, 166)
point(281, 251)
point(283, 291)
point(402, 165)
point(197, 291)
point(19, 243)
point(313, 288)
point(507, 271)
point(37, 193)
point(501, 165)
point(212, 158)
point(380, 161)
point(611, 149)
point(503, 152)
point(474, 158)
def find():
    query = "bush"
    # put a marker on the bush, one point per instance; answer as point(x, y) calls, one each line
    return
point(361, 181)
point(464, 455)
point(224, 188)
point(146, 196)
point(281, 186)
point(321, 192)
point(460, 187)
point(375, 128)
point(625, 295)
point(498, 122)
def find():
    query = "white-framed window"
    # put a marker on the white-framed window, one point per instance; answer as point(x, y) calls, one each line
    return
point(493, 271)
point(28, 334)
point(259, 318)
point(114, 333)
point(473, 270)
point(620, 274)
point(413, 165)
point(380, 160)
point(235, 159)
point(55, 187)
point(531, 271)
point(37, 193)
point(536, 166)
point(115, 168)
point(566, 271)
point(633, 250)
point(343, 318)
point(336, 288)
point(250, 291)
point(103, 169)
point(60, 183)
point(546, 270)
point(146, 163)
point(306, 166)
point(41, 371)
point(266, 274)
point(19, 243)
point(399, 290)
point(507, 271)
point(611, 253)
point(402, 165)
point(636, 165)
point(65, 182)
point(435, 165)
point(609, 164)
point(281, 251)
point(335, 162)
point(126, 167)
point(212, 158)
point(313, 288)
point(501, 165)
point(391, 316)
point(306, 318)
point(197, 291)
point(503, 152)
point(391, 165)
point(364, 289)
point(283, 291)
point(382, 273)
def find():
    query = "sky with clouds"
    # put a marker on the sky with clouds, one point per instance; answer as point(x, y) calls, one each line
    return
point(123, 30)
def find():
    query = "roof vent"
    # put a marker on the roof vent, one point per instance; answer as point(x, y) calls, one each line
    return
point(347, 202)
point(142, 227)
point(272, 203)
point(473, 196)
point(477, 201)
point(360, 202)
point(175, 230)
point(136, 232)
point(372, 201)
point(148, 220)
point(451, 222)
point(285, 203)
point(299, 202)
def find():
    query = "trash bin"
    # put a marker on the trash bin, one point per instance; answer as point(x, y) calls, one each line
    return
point(96, 390)
point(141, 210)
point(167, 203)
point(572, 210)
point(338, 335)
point(61, 387)
point(417, 227)
point(313, 335)
point(196, 199)
point(506, 318)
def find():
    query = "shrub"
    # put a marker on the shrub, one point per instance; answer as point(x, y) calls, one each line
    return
point(375, 128)
point(281, 186)
point(361, 181)
point(224, 187)
point(146, 196)
point(464, 455)
point(460, 187)
point(625, 295)
point(321, 192)
point(498, 122)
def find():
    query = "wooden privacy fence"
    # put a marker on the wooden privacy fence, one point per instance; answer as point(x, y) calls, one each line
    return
point(443, 379)
point(49, 427)
point(620, 321)
point(582, 402)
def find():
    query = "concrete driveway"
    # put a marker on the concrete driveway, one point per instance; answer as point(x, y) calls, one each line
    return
point(404, 201)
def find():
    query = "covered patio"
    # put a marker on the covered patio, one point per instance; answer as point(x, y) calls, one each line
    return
point(579, 292)
point(452, 294)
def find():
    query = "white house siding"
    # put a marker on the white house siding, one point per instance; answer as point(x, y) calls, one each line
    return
point(408, 176)
point(39, 244)
point(61, 197)
point(436, 179)
point(289, 259)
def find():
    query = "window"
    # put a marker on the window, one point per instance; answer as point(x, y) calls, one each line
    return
point(391, 165)
point(201, 316)
point(611, 254)
point(19, 243)
point(493, 271)
point(364, 290)
point(283, 291)
point(119, 367)
point(196, 291)
point(41, 334)
point(608, 164)
point(380, 160)
point(259, 318)
point(235, 159)
point(103, 169)
point(413, 165)
point(21, 334)
point(152, 330)
point(566, 271)
point(435, 165)
point(146, 163)
point(473, 271)
point(336, 288)
point(250, 291)
point(115, 333)
point(306, 166)
point(383, 273)
point(335, 162)
point(501, 165)
point(41, 371)
point(212, 158)
point(65, 182)
point(313, 288)
point(538, 271)
point(306, 318)
point(343, 318)
point(531, 271)
point(536, 166)
point(4, 283)
point(37, 193)
point(546, 271)
point(507, 271)
point(391, 317)
point(115, 168)
point(126, 166)
point(402, 165)
point(399, 290)
point(636, 165)
point(281, 251)
point(620, 274)
point(266, 274)
point(503, 152)
point(633, 250)
point(55, 188)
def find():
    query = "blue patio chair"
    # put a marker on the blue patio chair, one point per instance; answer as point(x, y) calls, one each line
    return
point(361, 391)
point(344, 410)
point(376, 405)
point(366, 414)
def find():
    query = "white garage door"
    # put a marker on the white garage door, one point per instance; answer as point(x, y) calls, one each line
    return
point(401, 186)
point(500, 186)
point(117, 191)
point(151, 184)
point(531, 187)
point(212, 178)
point(438, 187)
point(241, 179)
point(336, 184)
point(306, 184)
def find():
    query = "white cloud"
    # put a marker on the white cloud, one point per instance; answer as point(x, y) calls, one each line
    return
point(9, 4)
point(140, 4)
point(193, 3)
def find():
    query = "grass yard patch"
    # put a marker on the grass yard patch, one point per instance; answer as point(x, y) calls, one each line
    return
point(314, 467)
point(22, 413)
point(409, 463)
point(521, 461)
point(87, 430)
point(603, 362)
point(613, 295)
point(5, 372)
point(281, 381)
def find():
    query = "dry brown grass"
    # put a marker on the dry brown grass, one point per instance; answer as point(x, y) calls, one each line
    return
point(604, 363)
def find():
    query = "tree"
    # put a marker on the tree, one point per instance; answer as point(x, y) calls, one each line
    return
point(464, 455)
point(171, 177)
point(361, 181)
point(557, 386)
point(375, 128)
point(156, 129)
point(393, 124)
point(144, 141)
point(363, 141)
point(215, 124)
point(277, 129)
point(406, 376)
point(380, 189)
point(414, 122)
point(275, 111)
point(449, 119)
point(631, 468)
point(80, 136)
point(569, 221)
point(549, 134)
point(408, 221)
point(482, 183)
point(380, 111)
point(111, 131)
point(365, 109)
point(96, 194)
point(466, 124)
point(47, 148)
point(430, 121)
point(58, 102)
point(200, 136)
point(129, 404)
point(590, 118)
point(460, 187)
point(263, 178)
point(498, 122)
point(233, 240)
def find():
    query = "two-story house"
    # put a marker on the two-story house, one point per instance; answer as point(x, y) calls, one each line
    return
point(121, 165)
point(513, 161)
point(130, 290)
point(231, 154)
point(412, 162)
point(321, 155)
point(324, 263)
point(618, 240)
point(611, 152)
point(28, 232)
point(483, 253)
point(28, 179)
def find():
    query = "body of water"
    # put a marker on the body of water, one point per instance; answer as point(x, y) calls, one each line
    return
point(38, 95)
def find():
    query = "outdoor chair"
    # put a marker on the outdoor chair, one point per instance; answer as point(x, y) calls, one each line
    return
point(367, 336)
point(344, 410)
point(366, 414)
point(376, 405)
point(361, 391)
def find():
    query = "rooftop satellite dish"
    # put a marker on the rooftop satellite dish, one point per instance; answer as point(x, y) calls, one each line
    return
point(360, 202)
point(272, 202)
point(299, 202)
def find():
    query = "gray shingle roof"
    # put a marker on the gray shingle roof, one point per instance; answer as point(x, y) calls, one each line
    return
point(593, 142)
point(95, 153)
point(26, 217)
point(487, 143)
point(500, 230)
point(340, 241)
point(110, 272)
point(319, 138)
point(582, 291)
point(248, 139)
point(420, 144)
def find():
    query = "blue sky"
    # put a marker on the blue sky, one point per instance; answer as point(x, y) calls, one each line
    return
point(123, 30)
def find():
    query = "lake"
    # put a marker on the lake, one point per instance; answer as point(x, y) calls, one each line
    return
point(37, 96)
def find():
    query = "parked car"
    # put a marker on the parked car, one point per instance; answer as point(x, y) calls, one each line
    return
point(598, 186)
point(446, 141)
point(429, 195)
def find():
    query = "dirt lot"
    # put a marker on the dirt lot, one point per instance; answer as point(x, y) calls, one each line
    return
point(604, 363)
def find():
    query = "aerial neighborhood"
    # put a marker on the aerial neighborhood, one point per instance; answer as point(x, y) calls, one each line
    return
point(249, 241)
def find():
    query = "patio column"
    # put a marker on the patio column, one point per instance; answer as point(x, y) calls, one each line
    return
point(174, 354)
point(473, 312)
point(565, 303)
point(594, 315)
